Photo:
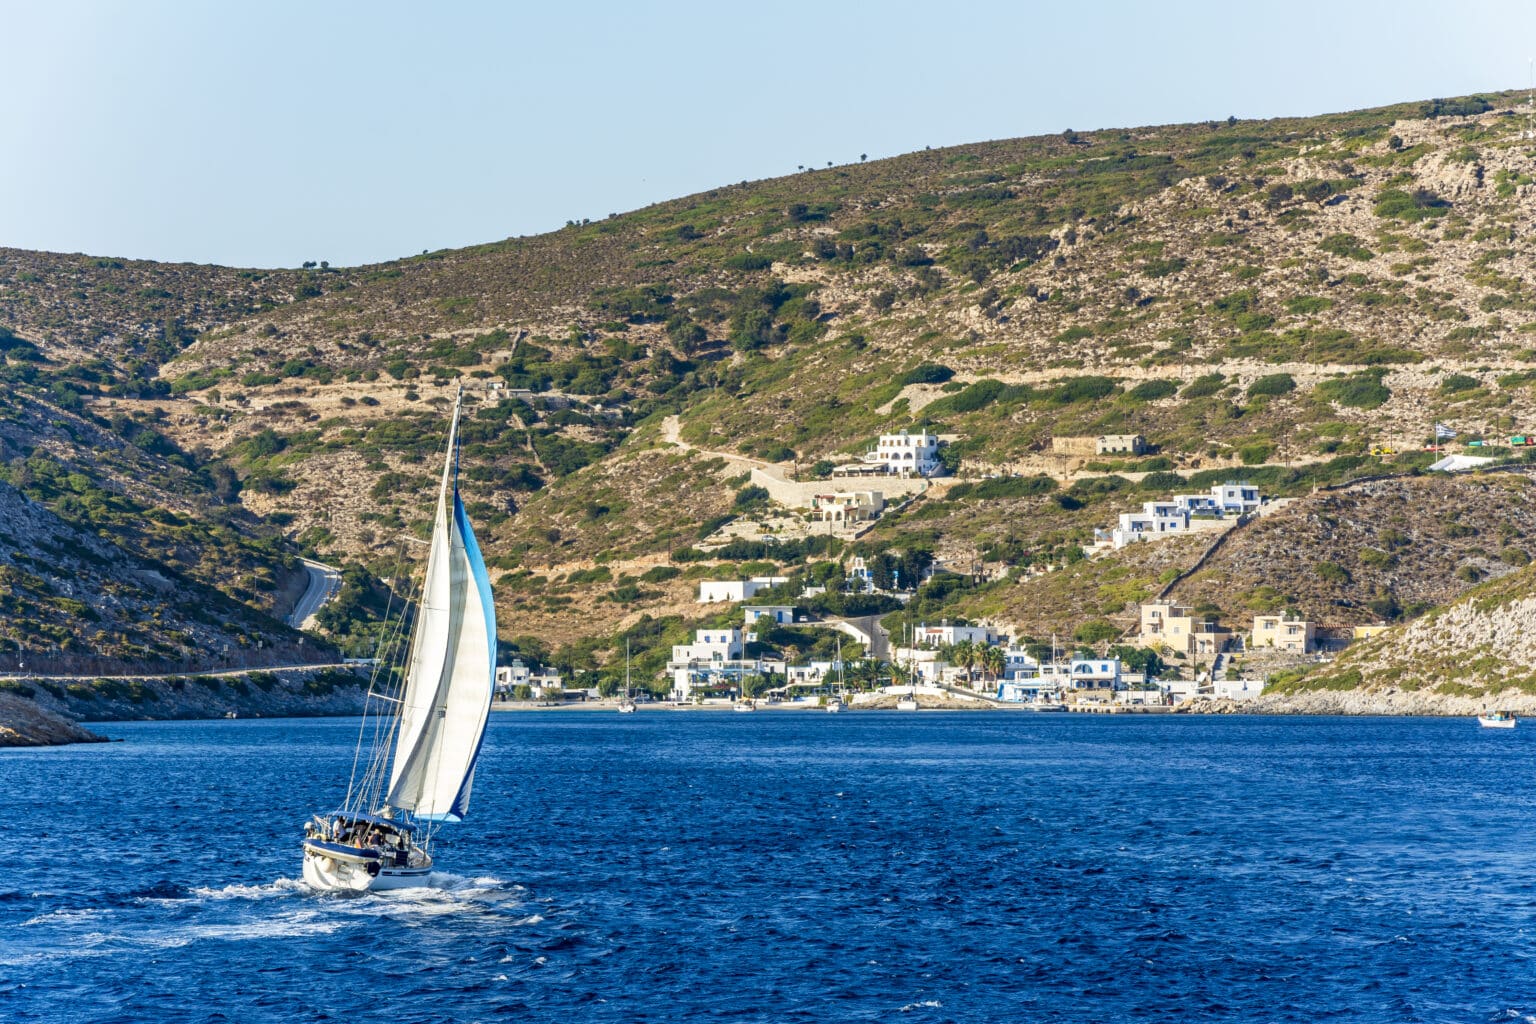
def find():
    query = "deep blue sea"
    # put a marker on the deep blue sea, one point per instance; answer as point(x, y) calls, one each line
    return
point(794, 867)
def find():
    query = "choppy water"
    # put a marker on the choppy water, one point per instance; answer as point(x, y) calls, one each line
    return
point(789, 867)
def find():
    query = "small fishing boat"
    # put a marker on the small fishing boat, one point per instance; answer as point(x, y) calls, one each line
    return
point(1497, 720)
point(422, 741)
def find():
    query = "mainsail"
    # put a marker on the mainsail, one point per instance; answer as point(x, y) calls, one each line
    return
point(451, 669)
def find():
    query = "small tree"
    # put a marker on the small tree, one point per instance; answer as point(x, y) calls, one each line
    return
point(993, 661)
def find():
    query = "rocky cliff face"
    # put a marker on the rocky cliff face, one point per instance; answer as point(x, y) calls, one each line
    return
point(277, 694)
point(1476, 653)
point(24, 724)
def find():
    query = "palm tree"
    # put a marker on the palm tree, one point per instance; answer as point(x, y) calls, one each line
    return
point(965, 653)
point(993, 661)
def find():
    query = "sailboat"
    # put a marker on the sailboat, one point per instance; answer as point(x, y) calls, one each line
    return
point(909, 702)
point(425, 738)
point(627, 703)
point(835, 704)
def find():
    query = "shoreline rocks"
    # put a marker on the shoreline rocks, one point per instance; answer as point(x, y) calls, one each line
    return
point(24, 724)
point(277, 693)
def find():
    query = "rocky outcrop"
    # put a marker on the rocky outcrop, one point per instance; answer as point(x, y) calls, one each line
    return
point(24, 724)
point(290, 693)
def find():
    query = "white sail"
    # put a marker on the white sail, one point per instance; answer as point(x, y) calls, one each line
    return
point(451, 670)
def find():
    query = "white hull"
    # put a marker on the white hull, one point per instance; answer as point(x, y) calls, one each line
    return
point(745, 707)
point(626, 707)
point(326, 874)
point(1488, 722)
point(833, 707)
point(906, 704)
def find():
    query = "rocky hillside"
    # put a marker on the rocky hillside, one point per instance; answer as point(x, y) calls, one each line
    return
point(24, 724)
point(1280, 300)
point(1473, 654)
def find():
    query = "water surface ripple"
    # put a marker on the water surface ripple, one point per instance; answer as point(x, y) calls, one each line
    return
point(794, 867)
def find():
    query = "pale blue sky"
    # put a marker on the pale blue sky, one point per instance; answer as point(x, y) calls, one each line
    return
point(265, 134)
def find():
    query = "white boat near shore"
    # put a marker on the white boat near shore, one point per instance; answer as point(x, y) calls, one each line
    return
point(1498, 720)
point(627, 705)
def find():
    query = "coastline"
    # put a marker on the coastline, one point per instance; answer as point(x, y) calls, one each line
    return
point(24, 724)
point(44, 711)
point(38, 714)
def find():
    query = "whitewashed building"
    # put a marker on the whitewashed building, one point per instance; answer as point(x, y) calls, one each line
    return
point(1229, 499)
point(710, 645)
point(715, 591)
point(938, 636)
point(777, 614)
point(1156, 519)
point(847, 506)
point(511, 676)
point(1238, 689)
point(1094, 673)
point(905, 454)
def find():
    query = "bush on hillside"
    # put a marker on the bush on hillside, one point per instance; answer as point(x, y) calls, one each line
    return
point(1204, 386)
point(925, 373)
point(1421, 204)
point(1361, 391)
point(1459, 382)
point(1152, 390)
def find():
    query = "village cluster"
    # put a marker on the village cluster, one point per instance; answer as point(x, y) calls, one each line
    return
point(967, 659)
point(980, 659)
point(726, 663)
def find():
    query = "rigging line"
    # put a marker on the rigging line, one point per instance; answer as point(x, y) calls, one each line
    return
point(386, 725)
point(373, 677)
point(366, 791)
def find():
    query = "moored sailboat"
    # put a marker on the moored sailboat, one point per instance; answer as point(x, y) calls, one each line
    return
point(425, 739)
point(627, 705)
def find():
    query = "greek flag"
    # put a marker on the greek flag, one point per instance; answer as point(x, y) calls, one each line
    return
point(1443, 432)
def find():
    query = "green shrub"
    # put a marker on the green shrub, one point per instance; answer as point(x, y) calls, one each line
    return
point(1152, 390)
point(976, 396)
point(1302, 305)
point(1203, 387)
point(1082, 389)
point(925, 373)
point(1095, 631)
point(1007, 487)
point(1361, 391)
point(1274, 384)
point(1344, 244)
point(1162, 482)
point(1162, 268)
point(1459, 382)
point(1421, 204)
point(1333, 572)
point(1256, 454)
point(1377, 559)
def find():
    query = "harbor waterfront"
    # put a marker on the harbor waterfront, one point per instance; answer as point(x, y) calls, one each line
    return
point(866, 866)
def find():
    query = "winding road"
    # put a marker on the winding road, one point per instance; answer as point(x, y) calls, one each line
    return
point(324, 582)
